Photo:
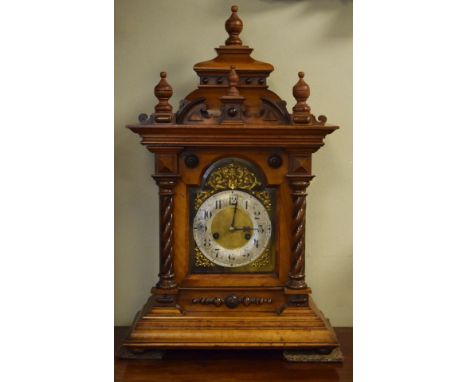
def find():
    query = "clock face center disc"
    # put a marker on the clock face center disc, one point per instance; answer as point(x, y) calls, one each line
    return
point(231, 236)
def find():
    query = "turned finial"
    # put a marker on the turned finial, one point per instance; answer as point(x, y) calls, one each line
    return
point(301, 91)
point(233, 80)
point(163, 91)
point(233, 27)
point(232, 104)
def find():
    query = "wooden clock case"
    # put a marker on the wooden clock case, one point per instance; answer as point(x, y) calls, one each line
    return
point(232, 114)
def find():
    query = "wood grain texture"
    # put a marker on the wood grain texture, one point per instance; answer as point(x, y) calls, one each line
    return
point(233, 27)
point(232, 365)
point(163, 109)
point(166, 274)
point(233, 136)
point(232, 114)
point(296, 277)
point(167, 177)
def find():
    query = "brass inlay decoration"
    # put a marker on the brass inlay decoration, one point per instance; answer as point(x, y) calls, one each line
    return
point(262, 261)
point(201, 261)
point(264, 197)
point(201, 197)
point(232, 176)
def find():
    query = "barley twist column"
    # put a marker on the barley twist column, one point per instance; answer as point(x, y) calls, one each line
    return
point(296, 277)
point(166, 222)
point(167, 177)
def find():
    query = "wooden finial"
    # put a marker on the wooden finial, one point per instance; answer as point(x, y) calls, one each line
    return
point(233, 80)
point(163, 91)
point(232, 104)
point(301, 91)
point(233, 27)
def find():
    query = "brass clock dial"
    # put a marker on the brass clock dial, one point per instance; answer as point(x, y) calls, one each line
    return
point(232, 228)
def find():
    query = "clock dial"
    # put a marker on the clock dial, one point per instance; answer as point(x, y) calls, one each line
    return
point(232, 228)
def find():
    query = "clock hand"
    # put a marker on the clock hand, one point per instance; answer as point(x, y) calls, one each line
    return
point(245, 229)
point(231, 228)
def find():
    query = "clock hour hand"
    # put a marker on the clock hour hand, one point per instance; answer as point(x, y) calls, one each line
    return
point(245, 229)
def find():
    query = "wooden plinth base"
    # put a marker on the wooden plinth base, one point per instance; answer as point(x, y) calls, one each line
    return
point(289, 355)
point(294, 328)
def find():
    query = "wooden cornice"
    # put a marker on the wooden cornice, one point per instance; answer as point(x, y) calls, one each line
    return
point(285, 136)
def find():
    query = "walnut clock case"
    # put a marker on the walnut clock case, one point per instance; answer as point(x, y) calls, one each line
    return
point(233, 166)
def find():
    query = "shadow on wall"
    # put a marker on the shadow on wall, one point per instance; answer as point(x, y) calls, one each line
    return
point(340, 24)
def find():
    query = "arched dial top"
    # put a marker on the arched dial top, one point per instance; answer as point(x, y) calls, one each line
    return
point(232, 228)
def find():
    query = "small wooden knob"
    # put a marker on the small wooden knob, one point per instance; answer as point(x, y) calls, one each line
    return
point(234, 27)
point(191, 161)
point(232, 301)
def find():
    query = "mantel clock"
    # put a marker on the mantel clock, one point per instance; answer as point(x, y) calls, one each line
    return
point(232, 166)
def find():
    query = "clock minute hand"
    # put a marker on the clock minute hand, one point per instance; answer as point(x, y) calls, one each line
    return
point(231, 228)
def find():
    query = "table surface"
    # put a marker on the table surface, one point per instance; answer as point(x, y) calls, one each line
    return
point(232, 365)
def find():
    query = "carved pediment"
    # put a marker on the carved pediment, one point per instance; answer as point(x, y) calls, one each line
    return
point(233, 90)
